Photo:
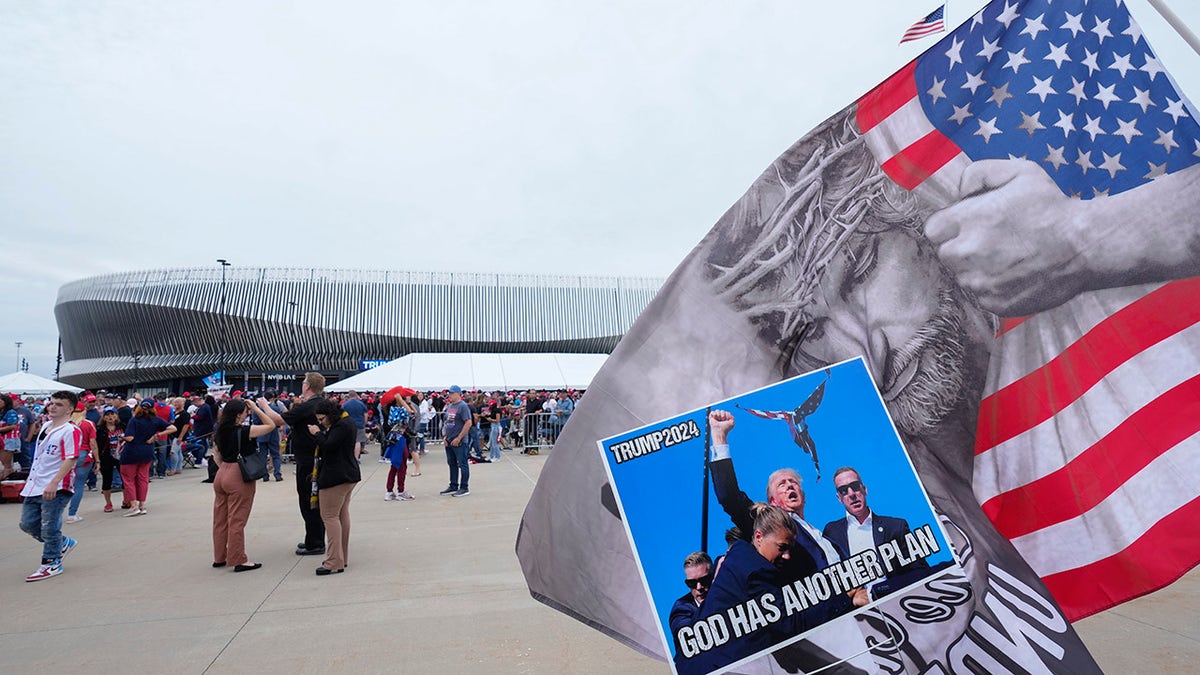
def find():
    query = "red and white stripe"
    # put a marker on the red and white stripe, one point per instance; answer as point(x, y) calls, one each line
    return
point(1089, 430)
point(911, 151)
point(922, 28)
point(769, 414)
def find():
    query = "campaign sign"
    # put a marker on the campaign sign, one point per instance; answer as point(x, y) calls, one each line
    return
point(830, 515)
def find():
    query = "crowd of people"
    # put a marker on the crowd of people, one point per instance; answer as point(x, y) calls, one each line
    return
point(67, 444)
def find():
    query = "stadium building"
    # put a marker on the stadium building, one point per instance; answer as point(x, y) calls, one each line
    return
point(168, 329)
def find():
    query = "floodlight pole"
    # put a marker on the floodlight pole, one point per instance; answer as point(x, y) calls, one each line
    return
point(1175, 22)
point(224, 319)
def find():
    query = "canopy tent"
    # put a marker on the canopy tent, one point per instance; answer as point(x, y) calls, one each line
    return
point(28, 384)
point(489, 372)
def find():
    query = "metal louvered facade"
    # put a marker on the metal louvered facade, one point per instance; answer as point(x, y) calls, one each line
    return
point(280, 319)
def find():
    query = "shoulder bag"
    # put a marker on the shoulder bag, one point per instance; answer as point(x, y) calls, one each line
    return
point(254, 466)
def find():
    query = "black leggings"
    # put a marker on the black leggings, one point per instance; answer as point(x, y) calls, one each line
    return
point(107, 465)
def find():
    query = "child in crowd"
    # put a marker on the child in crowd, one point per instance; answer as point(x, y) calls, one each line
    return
point(51, 484)
point(397, 452)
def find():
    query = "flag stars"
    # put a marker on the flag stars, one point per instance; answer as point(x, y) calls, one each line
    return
point(1106, 95)
point(1121, 63)
point(961, 113)
point(1196, 152)
point(1000, 95)
point(1134, 31)
point(1042, 87)
point(987, 129)
point(937, 91)
point(1101, 29)
point(1175, 109)
point(1016, 60)
point(1084, 161)
point(1057, 54)
point(1166, 139)
point(1074, 24)
point(1151, 67)
point(955, 52)
point(1077, 91)
point(1032, 123)
point(1089, 60)
point(1054, 157)
point(1142, 97)
point(989, 48)
point(1127, 129)
point(1156, 171)
point(1111, 164)
point(973, 82)
point(1033, 27)
point(1097, 192)
point(1093, 127)
point(1065, 122)
point(1007, 16)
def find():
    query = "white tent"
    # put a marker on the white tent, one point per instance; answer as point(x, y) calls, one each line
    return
point(27, 384)
point(488, 372)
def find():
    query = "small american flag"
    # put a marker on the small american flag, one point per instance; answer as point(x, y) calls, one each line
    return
point(932, 23)
point(1093, 405)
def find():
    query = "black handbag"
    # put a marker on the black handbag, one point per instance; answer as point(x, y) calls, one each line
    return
point(254, 467)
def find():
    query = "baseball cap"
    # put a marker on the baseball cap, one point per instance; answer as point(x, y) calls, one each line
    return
point(455, 389)
point(147, 403)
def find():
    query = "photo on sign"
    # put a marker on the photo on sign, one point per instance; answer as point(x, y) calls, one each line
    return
point(764, 516)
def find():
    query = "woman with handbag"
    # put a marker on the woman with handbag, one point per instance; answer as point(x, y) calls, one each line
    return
point(239, 468)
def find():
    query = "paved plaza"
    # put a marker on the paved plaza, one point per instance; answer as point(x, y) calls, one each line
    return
point(433, 587)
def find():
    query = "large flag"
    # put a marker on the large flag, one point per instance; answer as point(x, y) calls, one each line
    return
point(1037, 161)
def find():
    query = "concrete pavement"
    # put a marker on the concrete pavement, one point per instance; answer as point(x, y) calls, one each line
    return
point(433, 587)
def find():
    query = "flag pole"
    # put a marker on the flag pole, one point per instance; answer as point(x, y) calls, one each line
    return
point(704, 497)
point(1175, 22)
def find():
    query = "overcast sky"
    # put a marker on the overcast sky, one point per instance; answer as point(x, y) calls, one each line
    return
point(524, 136)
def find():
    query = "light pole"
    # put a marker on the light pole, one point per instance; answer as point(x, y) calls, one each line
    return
point(224, 319)
point(292, 320)
point(18, 344)
point(137, 360)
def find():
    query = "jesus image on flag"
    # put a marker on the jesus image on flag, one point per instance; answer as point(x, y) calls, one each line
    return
point(1006, 231)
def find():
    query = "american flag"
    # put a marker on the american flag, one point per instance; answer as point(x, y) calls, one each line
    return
point(932, 23)
point(1089, 432)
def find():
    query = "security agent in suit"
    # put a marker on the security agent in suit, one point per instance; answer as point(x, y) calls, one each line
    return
point(750, 570)
point(698, 576)
point(861, 530)
point(810, 552)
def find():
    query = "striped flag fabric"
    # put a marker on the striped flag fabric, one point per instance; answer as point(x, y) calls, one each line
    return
point(1091, 410)
point(934, 22)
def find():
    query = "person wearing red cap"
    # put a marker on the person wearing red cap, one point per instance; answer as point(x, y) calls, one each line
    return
point(85, 464)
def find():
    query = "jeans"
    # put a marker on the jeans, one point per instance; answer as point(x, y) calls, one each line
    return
point(82, 475)
point(175, 460)
point(162, 457)
point(268, 447)
point(42, 520)
point(199, 448)
point(422, 428)
point(494, 442)
point(473, 441)
point(456, 457)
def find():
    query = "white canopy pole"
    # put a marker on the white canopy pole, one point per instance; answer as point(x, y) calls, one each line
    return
point(1176, 23)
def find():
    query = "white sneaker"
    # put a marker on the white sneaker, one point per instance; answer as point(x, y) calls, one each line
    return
point(45, 572)
point(387, 496)
point(404, 496)
point(384, 460)
point(74, 519)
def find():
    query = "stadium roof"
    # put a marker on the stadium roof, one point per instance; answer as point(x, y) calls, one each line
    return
point(488, 372)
